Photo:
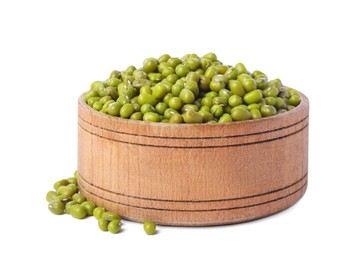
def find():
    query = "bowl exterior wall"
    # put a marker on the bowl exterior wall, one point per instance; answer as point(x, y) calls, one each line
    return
point(193, 175)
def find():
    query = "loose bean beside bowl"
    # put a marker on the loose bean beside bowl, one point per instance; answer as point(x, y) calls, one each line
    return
point(66, 198)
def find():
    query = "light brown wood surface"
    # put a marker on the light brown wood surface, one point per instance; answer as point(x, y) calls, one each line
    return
point(193, 175)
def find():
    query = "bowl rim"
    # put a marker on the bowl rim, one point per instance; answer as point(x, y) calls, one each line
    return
point(158, 129)
point(304, 102)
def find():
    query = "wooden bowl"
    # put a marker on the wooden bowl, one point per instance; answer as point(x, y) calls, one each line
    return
point(193, 174)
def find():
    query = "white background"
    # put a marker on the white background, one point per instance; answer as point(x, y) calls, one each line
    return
point(50, 52)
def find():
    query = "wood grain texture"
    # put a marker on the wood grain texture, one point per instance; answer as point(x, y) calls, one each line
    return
point(193, 175)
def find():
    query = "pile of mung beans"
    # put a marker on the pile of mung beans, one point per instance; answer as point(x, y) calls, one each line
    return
point(66, 198)
point(191, 89)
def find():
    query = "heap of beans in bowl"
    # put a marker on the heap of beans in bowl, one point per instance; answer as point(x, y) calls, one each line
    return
point(190, 89)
